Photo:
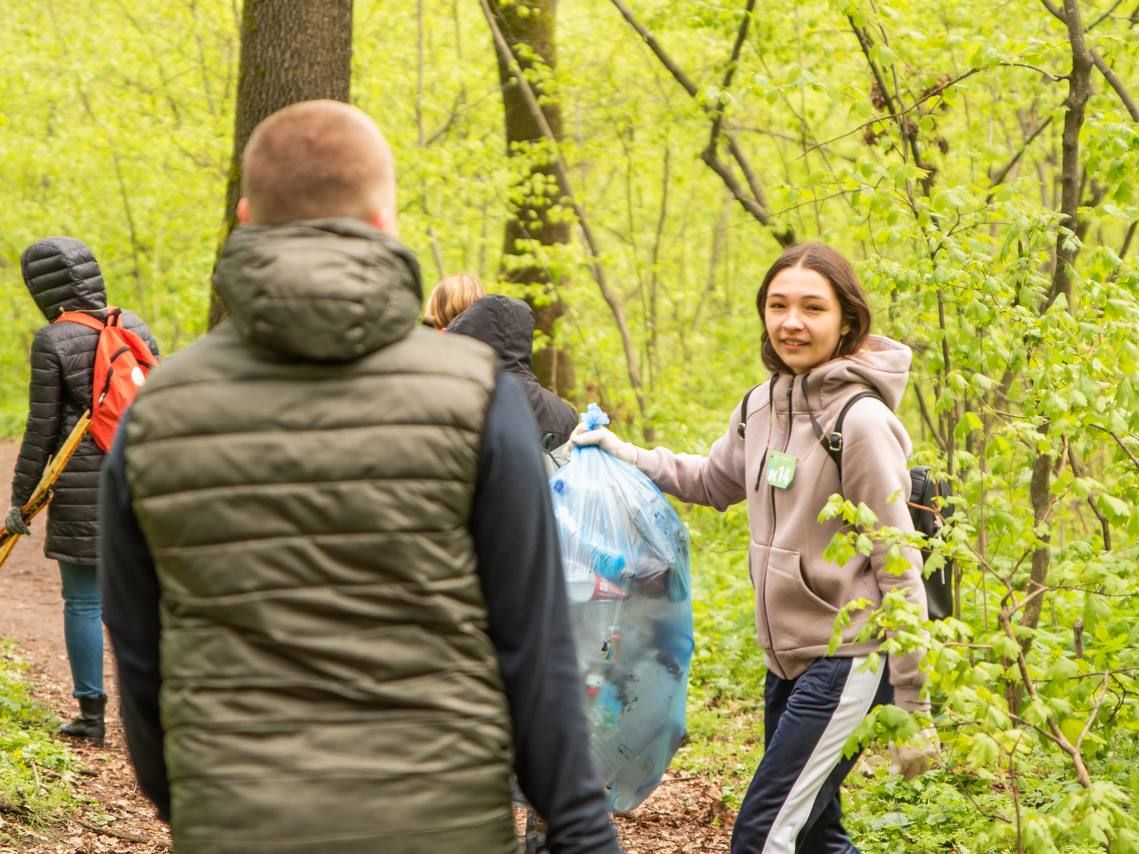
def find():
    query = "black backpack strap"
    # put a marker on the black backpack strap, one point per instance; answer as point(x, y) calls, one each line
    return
point(832, 442)
point(742, 428)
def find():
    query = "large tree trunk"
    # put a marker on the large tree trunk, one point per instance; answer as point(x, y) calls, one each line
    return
point(291, 50)
point(531, 23)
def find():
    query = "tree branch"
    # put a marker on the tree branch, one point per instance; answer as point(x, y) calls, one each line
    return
point(420, 137)
point(1014, 789)
point(657, 49)
point(1107, 14)
point(1099, 62)
point(907, 131)
point(718, 237)
point(750, 204)
point(1116, 84)
point(999, 178)
point(1040, 496)
point(1127, 239)
point(654, 270)
point(741, 35)
point(756, 203)
point(1095, 711)
point(951, 415)
point(1079, 90)
point(927, 417)
point(1078, 471)
point(932, 93)
point(1122, 447)
point(1058, 736)
point(561, 173)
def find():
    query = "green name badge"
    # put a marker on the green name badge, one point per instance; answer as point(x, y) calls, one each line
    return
point(780, 469)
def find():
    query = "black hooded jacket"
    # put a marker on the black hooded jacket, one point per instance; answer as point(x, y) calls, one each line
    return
point(62, 275)
point(507, 325)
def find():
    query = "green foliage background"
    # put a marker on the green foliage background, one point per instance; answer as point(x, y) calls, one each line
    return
point(115, 124)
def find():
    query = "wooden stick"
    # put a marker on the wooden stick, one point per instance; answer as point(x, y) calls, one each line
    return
point(41, 496)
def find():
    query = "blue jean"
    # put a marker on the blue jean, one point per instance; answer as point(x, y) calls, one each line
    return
point(83, 627)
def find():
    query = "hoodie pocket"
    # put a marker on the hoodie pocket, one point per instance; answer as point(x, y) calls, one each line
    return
point(796, 616)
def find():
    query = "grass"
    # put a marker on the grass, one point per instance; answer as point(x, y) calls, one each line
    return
point(35, 768)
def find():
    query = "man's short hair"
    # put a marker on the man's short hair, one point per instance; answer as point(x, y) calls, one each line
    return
point(317, 159)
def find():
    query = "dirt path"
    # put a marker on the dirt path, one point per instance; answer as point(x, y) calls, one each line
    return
point(122, 821)
point(684, 816)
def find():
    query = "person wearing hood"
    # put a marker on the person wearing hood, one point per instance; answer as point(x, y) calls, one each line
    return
point(332, 579)
point(61, 274)
point(817, 344)
point(507, 325)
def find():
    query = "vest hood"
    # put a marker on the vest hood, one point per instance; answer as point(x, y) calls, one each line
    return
point(62, 275)
point(506, 324)
point(324, 290)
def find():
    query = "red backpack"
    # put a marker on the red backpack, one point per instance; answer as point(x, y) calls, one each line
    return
point(122, 361)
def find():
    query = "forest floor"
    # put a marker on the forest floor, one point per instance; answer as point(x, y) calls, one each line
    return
point(686, 814)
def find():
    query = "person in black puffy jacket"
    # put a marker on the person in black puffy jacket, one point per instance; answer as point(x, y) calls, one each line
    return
point(62, 275)
point(507, 325)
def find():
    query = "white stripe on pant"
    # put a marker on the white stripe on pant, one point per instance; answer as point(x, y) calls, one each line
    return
point(853, 705)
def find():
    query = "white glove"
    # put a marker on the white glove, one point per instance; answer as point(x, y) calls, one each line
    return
point(917, 755)
point(605, 439)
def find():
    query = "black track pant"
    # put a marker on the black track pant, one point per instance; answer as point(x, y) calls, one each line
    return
point(792, 804)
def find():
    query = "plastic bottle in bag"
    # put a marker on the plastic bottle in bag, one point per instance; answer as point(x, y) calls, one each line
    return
point(626, 557)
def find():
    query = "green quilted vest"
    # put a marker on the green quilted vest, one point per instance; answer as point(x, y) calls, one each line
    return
point(328, 683)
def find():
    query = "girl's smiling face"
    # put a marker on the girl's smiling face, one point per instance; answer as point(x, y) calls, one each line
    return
point(803, 318)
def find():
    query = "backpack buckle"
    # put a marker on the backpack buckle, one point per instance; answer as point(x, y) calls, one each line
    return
point(833, 443)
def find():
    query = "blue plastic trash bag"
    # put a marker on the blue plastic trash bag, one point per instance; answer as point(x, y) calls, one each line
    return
point(626, 564)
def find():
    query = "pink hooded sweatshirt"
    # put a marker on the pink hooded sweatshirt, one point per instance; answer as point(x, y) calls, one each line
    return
point(797, 592)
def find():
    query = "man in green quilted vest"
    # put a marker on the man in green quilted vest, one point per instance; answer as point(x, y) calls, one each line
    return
point(328, 559)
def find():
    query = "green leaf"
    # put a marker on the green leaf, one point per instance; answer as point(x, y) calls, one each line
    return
point(1113, 508)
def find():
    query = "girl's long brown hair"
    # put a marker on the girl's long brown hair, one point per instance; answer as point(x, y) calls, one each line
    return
point(833, 267)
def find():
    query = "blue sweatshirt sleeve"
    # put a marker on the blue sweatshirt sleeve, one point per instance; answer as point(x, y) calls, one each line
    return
point(130, 609)
point(519, 566)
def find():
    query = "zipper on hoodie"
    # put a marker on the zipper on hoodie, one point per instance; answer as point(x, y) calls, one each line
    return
point(770, 408)
point(771, 541)
point(762, 466)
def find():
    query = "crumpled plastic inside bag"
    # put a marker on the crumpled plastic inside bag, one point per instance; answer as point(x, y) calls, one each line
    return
point(625, 553)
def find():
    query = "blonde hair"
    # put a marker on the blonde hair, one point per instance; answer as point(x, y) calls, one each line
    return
point(316, 159)
point(450, 297)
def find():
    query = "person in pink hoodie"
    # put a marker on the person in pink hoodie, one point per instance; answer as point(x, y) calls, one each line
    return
point(817, 344)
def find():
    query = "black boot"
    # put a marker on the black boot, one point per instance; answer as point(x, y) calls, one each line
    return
point(89, 723)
